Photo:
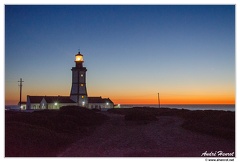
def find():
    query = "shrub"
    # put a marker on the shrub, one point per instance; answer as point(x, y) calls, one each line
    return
point(43, 133)
point(138, 115)
point(216, 123)
point(23, 139)
point(83, 116)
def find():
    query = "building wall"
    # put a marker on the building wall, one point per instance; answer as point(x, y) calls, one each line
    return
point(28, 104)
point(110, 105)
point(54, 106)
point(83, 100)
point(99, 105)
point(45, 105)
point(79, 89)
point(35, 106)
point(95, 105)
point(23, 107)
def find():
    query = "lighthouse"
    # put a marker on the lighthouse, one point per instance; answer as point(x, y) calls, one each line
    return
point(79, 89)
point(78, 94)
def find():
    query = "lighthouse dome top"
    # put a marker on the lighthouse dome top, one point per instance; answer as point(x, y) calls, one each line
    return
point(79, 57)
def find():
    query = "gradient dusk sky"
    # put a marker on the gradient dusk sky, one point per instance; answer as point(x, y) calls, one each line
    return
point(185, 53)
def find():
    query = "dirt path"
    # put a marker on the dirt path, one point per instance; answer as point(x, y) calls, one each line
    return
point(162, 138)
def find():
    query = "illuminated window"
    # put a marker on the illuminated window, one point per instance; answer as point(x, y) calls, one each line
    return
point(82, 96)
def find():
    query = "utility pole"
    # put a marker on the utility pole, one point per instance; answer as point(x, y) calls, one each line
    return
point(20, 85)
point(159, 101)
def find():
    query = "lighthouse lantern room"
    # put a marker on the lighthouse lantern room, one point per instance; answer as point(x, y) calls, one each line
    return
point(79, 59)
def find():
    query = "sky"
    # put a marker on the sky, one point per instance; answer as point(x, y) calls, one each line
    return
point(132, 53)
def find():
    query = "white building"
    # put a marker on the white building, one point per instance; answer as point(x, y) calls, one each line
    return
point(33, 102)
point(55, 102)
point(23, 105)
point(48, 102)
point(99, 103)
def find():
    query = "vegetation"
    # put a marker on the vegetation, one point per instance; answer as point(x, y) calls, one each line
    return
point(45, 133)
point(48, 132)
point(153, 111)
point(216, 123)
point(140, 115)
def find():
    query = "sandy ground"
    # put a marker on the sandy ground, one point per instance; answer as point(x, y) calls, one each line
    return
point(162, 138)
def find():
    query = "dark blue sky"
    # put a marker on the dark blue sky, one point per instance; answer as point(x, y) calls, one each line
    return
point(131, 52)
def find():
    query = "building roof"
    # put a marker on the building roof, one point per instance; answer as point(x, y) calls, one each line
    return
point(105, 100)
point(95, 100)
point(35, 99)
point(78, 54)
point(66, 99)
point(98, 100)
point(59, 99)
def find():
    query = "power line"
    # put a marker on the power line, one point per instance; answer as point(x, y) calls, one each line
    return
point(20, 85)
point(158, 101)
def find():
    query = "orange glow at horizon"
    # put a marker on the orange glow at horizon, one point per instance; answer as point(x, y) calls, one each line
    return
point(14, 99)
point(133, 95)
point(184, 101)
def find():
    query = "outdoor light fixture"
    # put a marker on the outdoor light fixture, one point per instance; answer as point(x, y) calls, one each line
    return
point(55, 103)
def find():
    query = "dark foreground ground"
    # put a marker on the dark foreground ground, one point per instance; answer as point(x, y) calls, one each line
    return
point(119, 133)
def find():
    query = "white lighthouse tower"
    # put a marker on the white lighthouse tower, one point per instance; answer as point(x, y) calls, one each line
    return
point(79, 89)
